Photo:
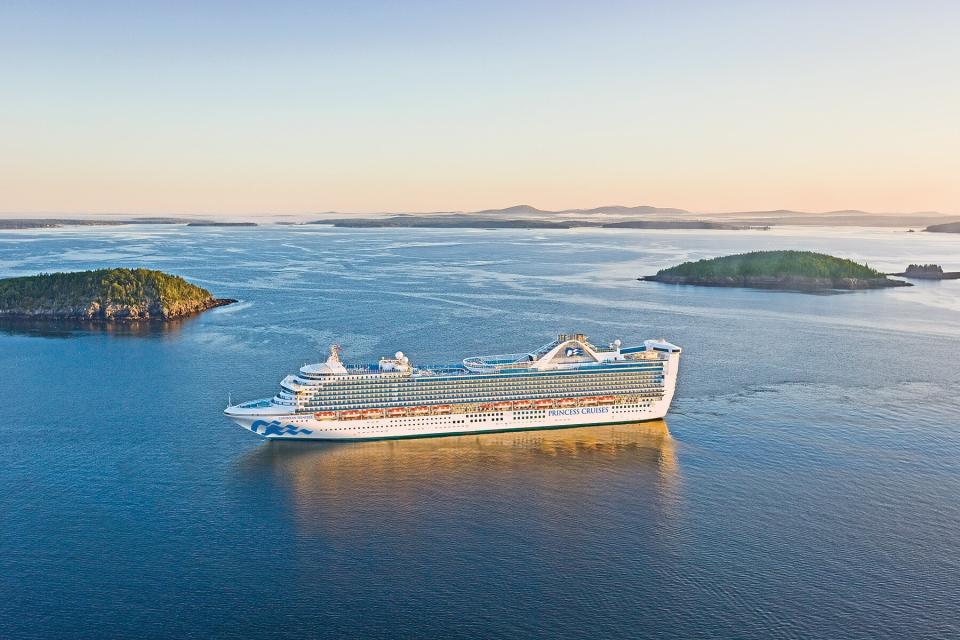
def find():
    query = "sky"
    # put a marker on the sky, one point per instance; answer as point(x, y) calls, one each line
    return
point(297, 107)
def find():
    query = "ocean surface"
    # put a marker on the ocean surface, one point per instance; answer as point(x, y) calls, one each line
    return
point(806, 483)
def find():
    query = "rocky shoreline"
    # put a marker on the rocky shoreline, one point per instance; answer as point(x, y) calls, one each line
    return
point(94, 312)
point(788, 283)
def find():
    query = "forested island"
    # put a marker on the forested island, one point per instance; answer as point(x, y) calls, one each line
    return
point(789, 270)
point(221, 224)
point(104, 295)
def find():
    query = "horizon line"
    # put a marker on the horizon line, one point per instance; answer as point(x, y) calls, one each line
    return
point(654, 210)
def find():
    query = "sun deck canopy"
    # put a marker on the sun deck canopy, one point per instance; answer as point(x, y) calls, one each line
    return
point(569, 350)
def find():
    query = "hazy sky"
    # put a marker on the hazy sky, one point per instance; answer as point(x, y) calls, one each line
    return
point(274, 107)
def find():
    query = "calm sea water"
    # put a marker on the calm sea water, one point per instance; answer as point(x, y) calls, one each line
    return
point(805, 485)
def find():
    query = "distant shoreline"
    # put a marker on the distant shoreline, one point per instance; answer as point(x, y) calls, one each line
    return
point(471, 222)
point(520, 216)
point(222, 224)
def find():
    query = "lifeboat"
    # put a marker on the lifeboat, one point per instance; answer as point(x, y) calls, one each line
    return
point(372, 413)
point(588, 402)
point(325, 415)
point(352, 414)
point(443, 409)
point(396, 412)
point(543, 404)
point(523, 404)
point(486, 407)
point(502, 406)
point(606, 399)
point(420, 411)
point(567, 402)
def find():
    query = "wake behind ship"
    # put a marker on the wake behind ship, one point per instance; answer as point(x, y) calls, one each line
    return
point(566, 383)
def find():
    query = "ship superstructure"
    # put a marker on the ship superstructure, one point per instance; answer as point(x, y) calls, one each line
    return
point(567, 382)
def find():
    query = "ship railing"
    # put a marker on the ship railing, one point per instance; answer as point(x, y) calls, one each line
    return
point(556, 394)
point(479, 367)
point(472, 368)
point(255, 404)
point(603, 349)
point(494, 361)
point(620, 397)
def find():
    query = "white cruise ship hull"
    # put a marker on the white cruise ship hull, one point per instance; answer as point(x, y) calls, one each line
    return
point(567, 383)
point(294, 427)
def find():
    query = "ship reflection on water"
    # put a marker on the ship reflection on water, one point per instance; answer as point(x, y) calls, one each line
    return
point(336, 488)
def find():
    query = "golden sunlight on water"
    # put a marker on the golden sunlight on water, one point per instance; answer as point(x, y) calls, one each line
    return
point(330, 485)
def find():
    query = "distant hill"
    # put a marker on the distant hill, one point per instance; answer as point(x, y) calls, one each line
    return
point(591, 216)
point(949, 227)
point(839, 218)
point(525, 209)
point(103, 295)
point(629, 211)
point(804, 270)
point(516, 210)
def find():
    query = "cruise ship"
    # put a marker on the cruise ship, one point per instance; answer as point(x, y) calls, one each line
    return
point(568, 382)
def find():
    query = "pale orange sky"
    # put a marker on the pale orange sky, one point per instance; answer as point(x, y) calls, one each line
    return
point(110, 108)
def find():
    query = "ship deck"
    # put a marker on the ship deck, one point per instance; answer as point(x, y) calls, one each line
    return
point(459, 370)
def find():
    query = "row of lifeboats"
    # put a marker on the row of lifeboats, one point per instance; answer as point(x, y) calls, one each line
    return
point(548, 403)
point(447, 409)
point(392, 412)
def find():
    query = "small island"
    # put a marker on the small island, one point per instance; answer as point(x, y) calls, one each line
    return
point(202, 223)
point(787, 270)
point(928, 272)
point(948, 227)
point(104, 295)
point(674, 224)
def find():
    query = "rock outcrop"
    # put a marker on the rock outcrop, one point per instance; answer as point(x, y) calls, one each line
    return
point(928, 272)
